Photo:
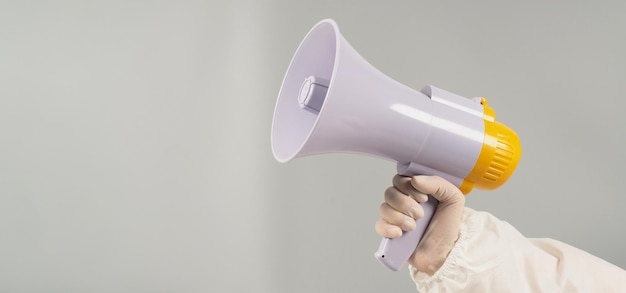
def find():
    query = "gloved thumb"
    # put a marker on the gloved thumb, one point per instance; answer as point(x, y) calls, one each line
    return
point(438, 187)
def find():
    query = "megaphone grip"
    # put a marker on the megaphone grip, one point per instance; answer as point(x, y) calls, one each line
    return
point(393, 253)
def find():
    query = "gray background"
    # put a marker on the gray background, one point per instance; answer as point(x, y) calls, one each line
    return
point(135, 154)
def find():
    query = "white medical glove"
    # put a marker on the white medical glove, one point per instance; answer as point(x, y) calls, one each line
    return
point(401, 207)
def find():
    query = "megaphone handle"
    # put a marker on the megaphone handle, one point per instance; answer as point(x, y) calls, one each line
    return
point(393, 253)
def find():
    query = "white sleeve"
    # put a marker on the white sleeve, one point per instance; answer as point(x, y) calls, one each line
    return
point(492, 256)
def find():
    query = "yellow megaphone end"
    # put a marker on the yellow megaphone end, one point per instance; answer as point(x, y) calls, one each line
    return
point(498, 158)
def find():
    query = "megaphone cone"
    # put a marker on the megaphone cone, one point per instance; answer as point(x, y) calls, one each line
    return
point(332, 100)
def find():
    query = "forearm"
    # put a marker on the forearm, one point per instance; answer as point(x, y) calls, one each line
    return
point(492, 256)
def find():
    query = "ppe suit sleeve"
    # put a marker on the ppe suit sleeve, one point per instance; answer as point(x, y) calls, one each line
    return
point(492, 256)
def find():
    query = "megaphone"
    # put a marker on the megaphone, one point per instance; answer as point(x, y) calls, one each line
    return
point(333, 101)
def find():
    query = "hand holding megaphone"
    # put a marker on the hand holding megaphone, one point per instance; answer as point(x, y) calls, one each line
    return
point(401, 208)
point(332, 100)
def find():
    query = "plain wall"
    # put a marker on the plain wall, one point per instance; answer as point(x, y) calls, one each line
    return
point(135, 154)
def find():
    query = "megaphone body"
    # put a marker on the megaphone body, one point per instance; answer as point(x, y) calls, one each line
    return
point(333, 101)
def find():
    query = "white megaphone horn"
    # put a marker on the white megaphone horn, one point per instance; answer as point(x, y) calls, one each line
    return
point(332, 100)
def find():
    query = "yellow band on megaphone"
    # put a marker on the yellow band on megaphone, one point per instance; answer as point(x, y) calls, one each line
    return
point(500, 153)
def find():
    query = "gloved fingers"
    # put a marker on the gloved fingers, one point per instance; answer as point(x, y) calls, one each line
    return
point(396, 218)
point(403, 183)
point(384, 229)
point(400, 202)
